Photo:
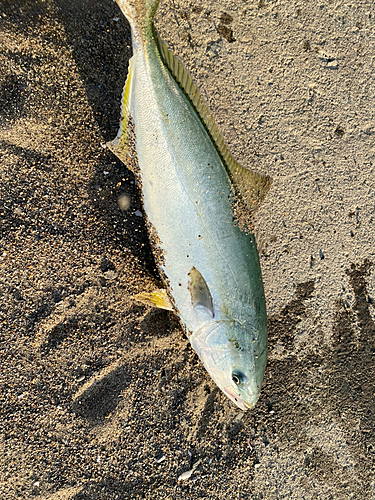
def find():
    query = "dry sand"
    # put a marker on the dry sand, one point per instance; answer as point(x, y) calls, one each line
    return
point(103, 398)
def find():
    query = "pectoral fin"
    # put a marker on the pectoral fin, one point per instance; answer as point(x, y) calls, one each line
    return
point(158, 298)
point(199, 291)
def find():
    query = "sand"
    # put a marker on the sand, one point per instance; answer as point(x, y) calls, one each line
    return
point(102, 397)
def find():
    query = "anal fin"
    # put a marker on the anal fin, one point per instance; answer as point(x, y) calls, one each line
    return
point(157, 298)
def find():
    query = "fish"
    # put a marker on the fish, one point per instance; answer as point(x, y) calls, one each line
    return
point(190, 182)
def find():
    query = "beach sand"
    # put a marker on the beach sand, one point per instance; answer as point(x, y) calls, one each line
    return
point(102, 397)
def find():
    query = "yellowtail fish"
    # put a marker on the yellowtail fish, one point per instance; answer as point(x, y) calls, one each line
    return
point(210, 267)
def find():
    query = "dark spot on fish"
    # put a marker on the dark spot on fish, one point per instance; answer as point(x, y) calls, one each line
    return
point(235, 343)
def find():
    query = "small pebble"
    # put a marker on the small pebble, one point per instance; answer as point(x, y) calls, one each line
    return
point(185, 475)
point(332, 64)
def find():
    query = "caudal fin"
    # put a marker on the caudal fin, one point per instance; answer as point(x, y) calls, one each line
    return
point(139, 13)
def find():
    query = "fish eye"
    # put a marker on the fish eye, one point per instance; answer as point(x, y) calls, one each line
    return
point(238, 377)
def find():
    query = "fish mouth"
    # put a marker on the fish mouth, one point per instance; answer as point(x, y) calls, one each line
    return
point(248, 405)
point(243, 405)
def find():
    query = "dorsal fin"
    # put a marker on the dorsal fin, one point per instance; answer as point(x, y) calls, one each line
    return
point(252, 186)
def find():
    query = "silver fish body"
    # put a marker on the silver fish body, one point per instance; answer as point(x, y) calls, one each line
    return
point(210, 266)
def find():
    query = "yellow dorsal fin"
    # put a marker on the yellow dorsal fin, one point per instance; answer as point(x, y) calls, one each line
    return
point(157, 298)
point(252, 186)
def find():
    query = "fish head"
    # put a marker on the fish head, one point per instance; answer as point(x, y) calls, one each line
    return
point(235, 357)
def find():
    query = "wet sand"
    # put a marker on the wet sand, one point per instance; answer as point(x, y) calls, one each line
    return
point(102, 397)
